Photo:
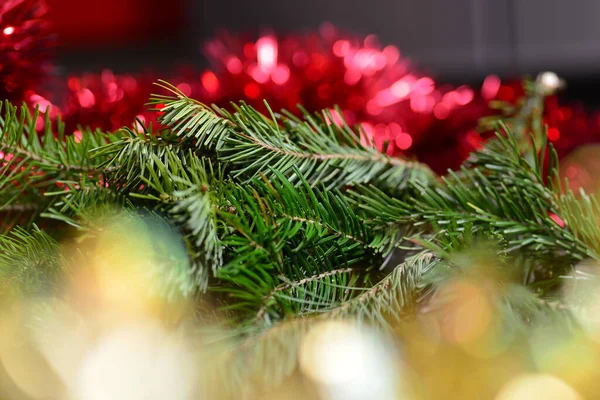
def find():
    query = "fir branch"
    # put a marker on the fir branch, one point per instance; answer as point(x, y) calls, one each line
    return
point(497, 190)
point(286, 286)
point(271, 215)
point(189, 190)
point(29, 261)
point(273, 352)
point(132, 156)
point(313, 294)
point(50, 151)
point(33, 163)
point(280, 234)
point(391, 299)
point(189, 119)
point(82, 204)
point(582, 216)
point(252, 143)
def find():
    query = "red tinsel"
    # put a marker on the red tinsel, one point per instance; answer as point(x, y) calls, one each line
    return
point(377, 88)
point(25, 40)
point(107, 101)
point(402, 110)
point(570, 126)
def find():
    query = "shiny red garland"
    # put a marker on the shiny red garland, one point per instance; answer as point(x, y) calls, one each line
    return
point(402, 110)
point(25, 43)
point(570, 126)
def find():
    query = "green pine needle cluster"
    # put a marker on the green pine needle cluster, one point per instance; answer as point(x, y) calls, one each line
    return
point(288, 220)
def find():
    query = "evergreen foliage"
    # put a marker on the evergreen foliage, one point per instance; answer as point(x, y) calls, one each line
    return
point(288, 220)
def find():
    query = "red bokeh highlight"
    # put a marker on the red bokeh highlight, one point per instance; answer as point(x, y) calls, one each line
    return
point(26, 41)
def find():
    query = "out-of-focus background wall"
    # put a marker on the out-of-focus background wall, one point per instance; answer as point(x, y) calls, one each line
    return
point(457, 40)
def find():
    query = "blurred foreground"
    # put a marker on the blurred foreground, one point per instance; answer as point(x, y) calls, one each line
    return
point(111, 331)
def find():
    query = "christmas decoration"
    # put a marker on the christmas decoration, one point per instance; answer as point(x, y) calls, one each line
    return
point(253, 243)
point(106, 101)
point(433, 123)
point(25, 42)
point(402, 110)
point(248, 252)
point(570, 125)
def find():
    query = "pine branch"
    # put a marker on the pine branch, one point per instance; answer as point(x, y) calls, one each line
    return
point(282, 234)
point(132, 156)
point(189, 119)
point(190, 191)
point(82, 204)
point(325, 153)
point(29, 261)
point(582, 216)
point(270, 355)
point(321, 282)
point(496, 191)
point(32, 163)
point(394, 297)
